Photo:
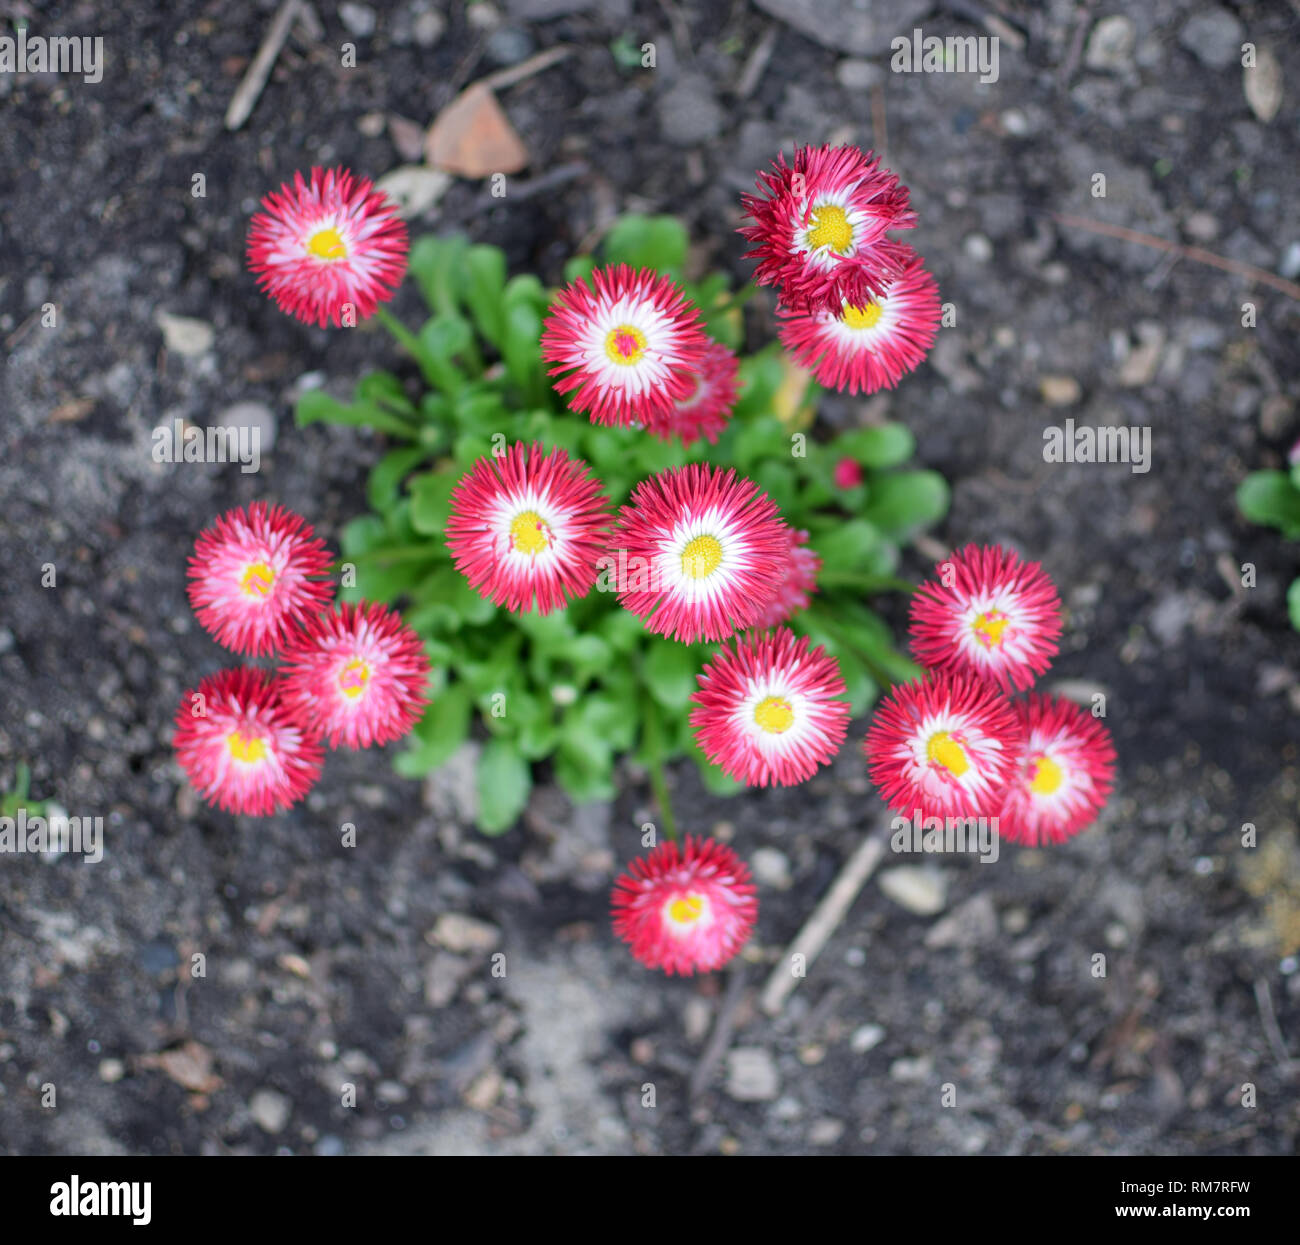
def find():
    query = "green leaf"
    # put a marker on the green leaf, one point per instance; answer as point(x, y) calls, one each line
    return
point(479, 410)
point(669, 672)
point(538, 738)
point(887, 445)
point(1293, 603)
point(777, 480)
point(903, 502)
point(504, 781)
point(623, 630)
point(317, 407)
point(762, 439)
point(550, 633)
point(861, 689)
point(521, 348)
point(855, 547)
point(485, 286)
point(579, 268)
point(362, 535)
point(657, 242)
point(1270, 498)
point(384, 389)
point(589, 655)
point(760, 377)
point(431, 500)
point(444, 727)
point(585, 778)
point(442, 339)
point(433, 262)
point(526, 290)
point(598, 724)
point(387, 474)
point(654, 455)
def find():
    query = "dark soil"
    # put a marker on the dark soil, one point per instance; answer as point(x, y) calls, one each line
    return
point(329, 966)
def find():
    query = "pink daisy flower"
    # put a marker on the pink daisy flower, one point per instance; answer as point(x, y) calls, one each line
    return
point(330, 250)
point(631, 343)
point(768, 711)
point(989, 614)
point(848, 473)
point(685, 909)
point(255, 575)
point(1065, 773)
point(820, 227)
point(944, 747)
point(798, 580)
point(356, 676)
point(528, 527)
point(699, 552)
point(871, 345)
point(240, 747)
point(708, 408)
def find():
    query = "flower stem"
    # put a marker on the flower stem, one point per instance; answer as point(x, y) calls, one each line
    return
point(659, 783)
point(652, 741)
point(409, 342)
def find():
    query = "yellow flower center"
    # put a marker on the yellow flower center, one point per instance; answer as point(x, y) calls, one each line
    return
point(945, 751)
point(327, 244)
point(988, 628)
point(830, 227)
point(529, 533)
point(862, 317)
point(702, 557)
point(353, 678)
point(774, 715)
point(687, 909)
point(1048, 776)
point(625, 344)
point(258, 580)
point(246, 749)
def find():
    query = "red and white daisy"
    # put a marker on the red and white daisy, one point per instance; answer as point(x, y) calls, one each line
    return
point(700, 552)
point(820, 227)
point(989, 614)
point(328, 250)
point(356, 676)
point(1064, 776)
point(685, 909)
point(240, 747)
point(768, 709)
point(528, 527)
point(255, 575)
point(863, 347)
point(630, 343)
point(798, 579)
point(944, 747)
point(708, 408)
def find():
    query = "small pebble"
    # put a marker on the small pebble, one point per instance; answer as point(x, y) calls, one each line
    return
point(868, 1037)
point(270, 1110)
point(752, 1074)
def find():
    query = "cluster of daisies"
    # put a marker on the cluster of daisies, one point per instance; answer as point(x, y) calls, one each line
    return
point(249, 739)
point(697, 553)
point(957, 744)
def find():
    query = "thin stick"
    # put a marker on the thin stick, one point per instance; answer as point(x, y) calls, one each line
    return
point(1199, 254)
point(525, 69)
point(1264, 1000)
point(810, 940)
point(756, 64)
point(722, 1030)
point(879, 126)
point(250, 89)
